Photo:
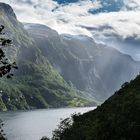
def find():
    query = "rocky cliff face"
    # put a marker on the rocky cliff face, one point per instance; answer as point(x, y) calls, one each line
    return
point(94, 69)
point(36, 84)
point(7, 10)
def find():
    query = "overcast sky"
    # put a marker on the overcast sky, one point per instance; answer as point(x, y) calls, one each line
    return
point(89, 17)
point(73, 17)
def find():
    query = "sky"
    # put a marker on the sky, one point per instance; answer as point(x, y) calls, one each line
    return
point(73, 18)
point(101, 19)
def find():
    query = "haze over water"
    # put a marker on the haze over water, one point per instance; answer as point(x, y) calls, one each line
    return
point(32, 125)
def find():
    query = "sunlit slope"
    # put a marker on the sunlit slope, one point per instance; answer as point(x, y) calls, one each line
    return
point(35, 84)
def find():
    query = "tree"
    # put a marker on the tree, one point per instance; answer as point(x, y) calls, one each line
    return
point(2, 135)
point(5, 66)
point(63, 128)
point(45, 138)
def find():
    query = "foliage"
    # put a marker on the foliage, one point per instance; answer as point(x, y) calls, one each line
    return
point(5, 64)
point(5, 70)
point(116, 119)
point(63, 127)
point(37, 90)
point(2, 135)
point(36, 84)
point(44, 138)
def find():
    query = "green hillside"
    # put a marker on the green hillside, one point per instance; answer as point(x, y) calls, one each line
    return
point(35, 84)
point(118, 118)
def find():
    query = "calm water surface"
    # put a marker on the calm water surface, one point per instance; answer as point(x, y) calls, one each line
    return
point(32, 125)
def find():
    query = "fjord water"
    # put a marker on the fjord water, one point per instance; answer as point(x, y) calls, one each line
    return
point(32, 125)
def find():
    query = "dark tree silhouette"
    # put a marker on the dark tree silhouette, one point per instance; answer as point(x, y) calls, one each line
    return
point(45, 138)
point(2, 135)
point(5, 66)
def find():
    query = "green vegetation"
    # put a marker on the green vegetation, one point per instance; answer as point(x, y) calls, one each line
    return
point(2, 105)
point(2, 135)
point(118, 118)
point(5, 70)
point(42, 89)
point(5, 65)
point(36, 84)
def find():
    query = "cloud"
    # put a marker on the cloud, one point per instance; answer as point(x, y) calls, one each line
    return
point(63, 18)
point(71, 18)
point(75, 18)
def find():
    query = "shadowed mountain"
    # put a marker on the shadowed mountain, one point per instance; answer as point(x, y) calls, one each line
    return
point(93, 68)
point(116, 119)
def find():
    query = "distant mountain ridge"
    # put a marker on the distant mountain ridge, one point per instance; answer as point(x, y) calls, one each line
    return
point(93, 68)
point(7, 9)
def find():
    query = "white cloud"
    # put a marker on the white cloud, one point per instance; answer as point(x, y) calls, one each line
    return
point(72, 17)
point(61, 18)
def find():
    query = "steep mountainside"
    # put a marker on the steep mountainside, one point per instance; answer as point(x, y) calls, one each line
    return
point(78, 63)
point(116, 119)
point(36, 84)
point(93, 68)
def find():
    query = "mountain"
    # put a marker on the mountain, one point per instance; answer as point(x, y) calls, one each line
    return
point(128, 44)
point(116, 119)
point(36, 84)
point(93, 68)
point(59, 70)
